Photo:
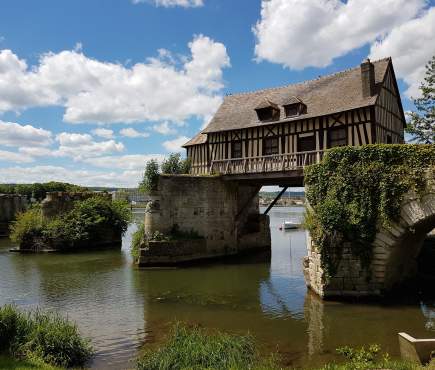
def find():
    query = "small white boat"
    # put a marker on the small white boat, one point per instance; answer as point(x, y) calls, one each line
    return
point(289, 225)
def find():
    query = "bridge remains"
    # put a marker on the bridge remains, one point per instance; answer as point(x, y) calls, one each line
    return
point(10, 205)
point(395, 253)
point(206, 216)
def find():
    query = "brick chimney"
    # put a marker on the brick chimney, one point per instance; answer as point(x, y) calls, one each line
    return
point(367, 78)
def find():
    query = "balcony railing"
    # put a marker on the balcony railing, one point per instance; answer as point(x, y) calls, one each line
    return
point(266, 163)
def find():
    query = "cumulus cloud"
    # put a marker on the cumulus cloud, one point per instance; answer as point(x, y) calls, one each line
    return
point(80, 146)
point(125, 162)
point(94, 91)
point(411, 46)
point(8, 156)
point(303, 33)
point(16, 135)
point(132, 133)
point(164, 129)
point(20, 174)
point(175, 145)
point(173, 3)
point(103, 132)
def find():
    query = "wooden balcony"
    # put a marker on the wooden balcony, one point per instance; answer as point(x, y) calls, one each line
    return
point(266, 163)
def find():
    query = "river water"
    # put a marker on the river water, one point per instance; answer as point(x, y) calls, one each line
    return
point(121, 307)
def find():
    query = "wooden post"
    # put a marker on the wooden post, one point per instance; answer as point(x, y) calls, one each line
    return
point(275, 200)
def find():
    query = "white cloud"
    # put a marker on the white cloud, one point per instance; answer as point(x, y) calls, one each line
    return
point(15, 135)
point(173, 3)
point(411, 46)
point(124, 162)
point(80, 146)
point(83, 177)
point(302, 33)
point(36, 151)
point(132, 133)
point(164, 129)
point(103, 132)
point(101, 92)
point(175, 145)
point(6, 156)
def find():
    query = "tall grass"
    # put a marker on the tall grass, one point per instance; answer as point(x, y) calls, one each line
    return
point(45, 336)
point(194, 348)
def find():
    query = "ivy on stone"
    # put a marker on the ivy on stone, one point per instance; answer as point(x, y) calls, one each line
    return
point(356, 189)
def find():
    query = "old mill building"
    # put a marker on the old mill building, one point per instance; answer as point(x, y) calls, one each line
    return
point(285, 128)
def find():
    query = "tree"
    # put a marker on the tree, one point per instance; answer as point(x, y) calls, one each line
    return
point(174, 165)
point(422, 123)
point(150, 177)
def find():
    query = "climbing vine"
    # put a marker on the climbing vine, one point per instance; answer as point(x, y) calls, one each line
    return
point(355, 189)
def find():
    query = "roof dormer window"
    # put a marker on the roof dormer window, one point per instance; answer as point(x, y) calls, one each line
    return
point(267, 111)
point(294, 107)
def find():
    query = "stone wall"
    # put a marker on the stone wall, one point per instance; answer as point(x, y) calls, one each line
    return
point(224, 214)
point(10, 205)
point(59, 202)
point(395, 253)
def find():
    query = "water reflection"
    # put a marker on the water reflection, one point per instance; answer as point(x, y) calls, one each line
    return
point(120, 307)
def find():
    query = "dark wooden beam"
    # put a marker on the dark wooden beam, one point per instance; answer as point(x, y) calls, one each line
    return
point(275, 200)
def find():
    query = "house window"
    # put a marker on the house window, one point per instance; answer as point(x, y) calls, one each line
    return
point(268, 114)
point(291, 110)
point(270, 146)
point(236, 149)
point(337, 137)
point(306, 143)
point(389, 139)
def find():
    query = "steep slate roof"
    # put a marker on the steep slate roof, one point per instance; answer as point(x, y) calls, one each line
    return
point(266, 103)
point(329, 94)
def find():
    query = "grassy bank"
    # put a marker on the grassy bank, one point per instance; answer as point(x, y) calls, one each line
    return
point(196, 348)
point(40, 339)
point(10, 363)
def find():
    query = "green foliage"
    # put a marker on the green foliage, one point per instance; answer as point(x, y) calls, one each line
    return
point(174, 165)
point(89, 220)
point(27, 226)
point(422, 123)
point(194, 348)
point(45, 336)
point(354, 189)
point(37, 190)
point(151, 177)
point(137, 240)
point(370, 358)
point(10, 363)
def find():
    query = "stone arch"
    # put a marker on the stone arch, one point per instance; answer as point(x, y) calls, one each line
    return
point(397, 247)
point(395, 251)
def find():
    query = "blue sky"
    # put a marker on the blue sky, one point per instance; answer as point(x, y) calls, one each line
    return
point(89, 90)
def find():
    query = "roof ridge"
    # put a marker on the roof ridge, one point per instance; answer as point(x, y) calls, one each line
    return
point(302, 82)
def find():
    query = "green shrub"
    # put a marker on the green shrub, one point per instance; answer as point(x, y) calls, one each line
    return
point(151, 175)
point(137, 240)
point(45, 336)
point(194, 348)
point(57, 341)
point(27, 225)
point(354, 189)
point(174, 165)
point(89, 220)
point(370, 358)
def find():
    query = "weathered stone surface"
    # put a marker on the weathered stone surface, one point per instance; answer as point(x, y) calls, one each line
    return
point(10, 205)
point(395, 249)
point(225, 214)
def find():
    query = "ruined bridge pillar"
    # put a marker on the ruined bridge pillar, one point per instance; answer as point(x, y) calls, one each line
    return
point(10, 205)
point(225, 214)
point(395, 252)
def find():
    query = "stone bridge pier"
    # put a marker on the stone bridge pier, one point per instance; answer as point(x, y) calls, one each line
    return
point(10, 205)
point(395, 252)
point(219, 217)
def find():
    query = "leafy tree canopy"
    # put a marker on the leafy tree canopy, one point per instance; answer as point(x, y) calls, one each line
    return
point(422, 122)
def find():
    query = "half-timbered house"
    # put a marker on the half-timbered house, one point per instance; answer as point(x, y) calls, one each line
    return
point(288, 127)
